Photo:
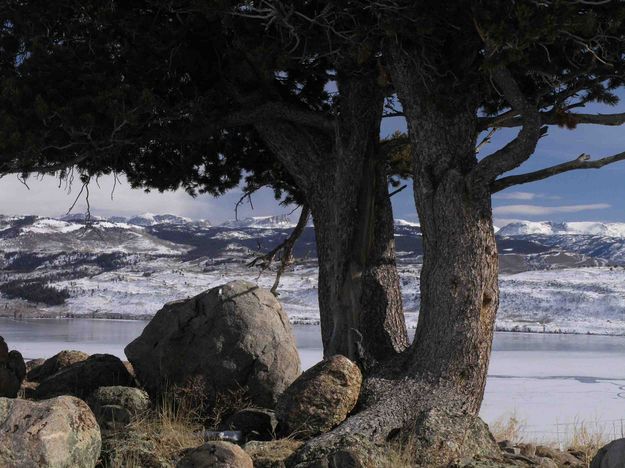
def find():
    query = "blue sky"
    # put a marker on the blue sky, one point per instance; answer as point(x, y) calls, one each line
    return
point(587, 195)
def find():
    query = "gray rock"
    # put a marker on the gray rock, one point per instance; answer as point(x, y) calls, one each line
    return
point(271, 454)
point(57, 433)
point(561, 458)
point(255, 423)
point(233, 336)
point(216, 455)
point(440, 434)
point(610, 456)
point(12, 371)
point(54, 364)
point(83, 378)
point(116, 406)
point(320, 399)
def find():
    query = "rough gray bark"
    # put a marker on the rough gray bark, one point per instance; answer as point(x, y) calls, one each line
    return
point(444, 370)
point(345, 183)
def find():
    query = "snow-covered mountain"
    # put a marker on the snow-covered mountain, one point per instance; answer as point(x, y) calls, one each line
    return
point(523, 228)
point(128, 267)
point(262, 222)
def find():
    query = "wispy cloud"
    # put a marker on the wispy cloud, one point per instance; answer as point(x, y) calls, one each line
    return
point(537, 210)
point(524, 196)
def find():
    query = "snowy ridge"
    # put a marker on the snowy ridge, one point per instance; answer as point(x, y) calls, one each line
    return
point(523, 228)
point(262, 222)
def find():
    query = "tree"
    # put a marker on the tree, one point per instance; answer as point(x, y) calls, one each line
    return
point(193, 93)
point(458, 69)
point(461, 68)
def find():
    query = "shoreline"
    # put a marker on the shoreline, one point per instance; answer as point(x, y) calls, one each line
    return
point(46, 315)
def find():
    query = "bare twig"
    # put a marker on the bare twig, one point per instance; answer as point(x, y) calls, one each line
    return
point(581, 162)
point(285, 249)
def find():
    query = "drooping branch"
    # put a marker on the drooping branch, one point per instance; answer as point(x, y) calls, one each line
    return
point(522, 147)
point(285, 249)
point(581, 162)
point(555, 118)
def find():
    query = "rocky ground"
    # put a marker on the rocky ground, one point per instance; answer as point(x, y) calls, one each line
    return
point(215, 381)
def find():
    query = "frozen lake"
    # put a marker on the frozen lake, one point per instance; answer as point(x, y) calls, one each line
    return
point(550, 382)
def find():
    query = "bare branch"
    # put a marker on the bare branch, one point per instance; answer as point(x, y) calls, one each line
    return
point(286, 248)
point(522, 147)
point(581, 162)
point(553, 118)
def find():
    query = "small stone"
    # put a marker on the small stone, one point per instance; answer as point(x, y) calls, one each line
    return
point(12, 371)
point(82, 378)
point(215, 455)
point(271, 454)
point(51, 366)
point(528, 450)
point(255, 423)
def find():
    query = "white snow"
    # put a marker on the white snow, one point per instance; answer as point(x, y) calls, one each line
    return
point(520, 228)
point(262, 222)
point(50, 226)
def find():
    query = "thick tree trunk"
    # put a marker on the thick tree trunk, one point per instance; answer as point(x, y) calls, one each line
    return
point(345, 184)
point(359, 294)
point(444, 371)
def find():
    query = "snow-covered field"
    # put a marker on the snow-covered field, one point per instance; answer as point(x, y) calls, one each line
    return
point(579, 300)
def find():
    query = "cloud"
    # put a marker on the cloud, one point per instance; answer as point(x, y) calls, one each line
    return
point(46, 198)
point(537, 210)
point(526, 196)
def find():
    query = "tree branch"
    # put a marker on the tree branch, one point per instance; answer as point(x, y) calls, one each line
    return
point(522, 147)
point(581, 162)
point(278, 110)
point(286, 258)
point(553, 118)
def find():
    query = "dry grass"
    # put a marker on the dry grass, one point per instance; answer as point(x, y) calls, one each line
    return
point(157, 438)
point(583, 438)
point(508, 427)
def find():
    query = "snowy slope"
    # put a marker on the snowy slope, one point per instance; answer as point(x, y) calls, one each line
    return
point(549, 228)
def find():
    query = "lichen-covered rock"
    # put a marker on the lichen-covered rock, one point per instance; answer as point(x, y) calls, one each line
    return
point(442, 437)
point(116, 406)
point(216, 455)
point(561, 458)
point(12, 371)
point(233, 336)
point(345, 451)
point(57, 433)
point(320, 398)
point(255, 423)
point(271, 454)
point(82, 378)
point(54, 364)
point(611, 455)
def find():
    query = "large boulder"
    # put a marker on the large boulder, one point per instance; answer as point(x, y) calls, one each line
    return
point(12, 371)
point(320, 399)
point(216, 455)
point(116, 406)
point(82, 378)
point(54, 364)
point(610, 456)
point(233, 336)
point(57, 433)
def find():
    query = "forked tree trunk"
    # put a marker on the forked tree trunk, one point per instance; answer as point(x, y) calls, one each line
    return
point(345, 184)
point(446, 366)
